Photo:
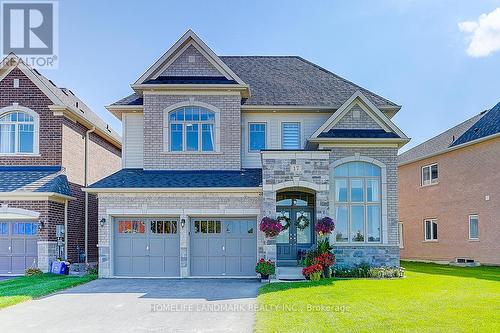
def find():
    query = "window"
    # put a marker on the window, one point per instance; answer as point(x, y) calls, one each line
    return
point(24, 228)
point(431, 230)
point(290, 135)
point(430, 174)
point(473, 227)
point(257, 136)
point(164, 227)
point(400, 235)
point(4, 228)
point(131, 227)
point(192, 129)
point(207, 227)
point(358, 207)
point(17, 133)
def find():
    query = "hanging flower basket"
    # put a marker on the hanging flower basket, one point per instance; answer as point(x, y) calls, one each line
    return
point(325, 226)
point(270, 227)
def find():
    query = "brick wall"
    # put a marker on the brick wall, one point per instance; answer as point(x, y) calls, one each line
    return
point(466, 177)
point(183, 67)
point(29, 96)
point(155, 156)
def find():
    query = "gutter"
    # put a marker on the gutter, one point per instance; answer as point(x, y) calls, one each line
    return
point(489, 137)
point(174, 190)
point(85, 184)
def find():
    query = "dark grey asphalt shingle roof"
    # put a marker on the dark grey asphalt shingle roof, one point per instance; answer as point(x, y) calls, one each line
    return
point(358, 134)
point(484, 124)
point(33, 179)
point(287, 80)
point(139, 178)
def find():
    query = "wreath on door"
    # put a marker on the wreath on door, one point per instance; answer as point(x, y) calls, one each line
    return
point(302, 221)
point(285, 218)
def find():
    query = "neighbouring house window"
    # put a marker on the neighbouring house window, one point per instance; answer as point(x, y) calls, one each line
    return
point(430, 174)
point(430, 229)
point(17, 133)
point(400, 235)
point(192, 129)
point(257, 136)
point(358, 206)
point(473, 227)
point(290, 135)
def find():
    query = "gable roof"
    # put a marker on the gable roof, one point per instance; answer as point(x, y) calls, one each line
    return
point(188, 39)
point(139, 178)
point(287, 81)
point(480, 126)
point(60, 96)
point(34, 179)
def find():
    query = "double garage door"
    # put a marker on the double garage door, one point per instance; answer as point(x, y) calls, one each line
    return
point(18, 246)
point(150, 247)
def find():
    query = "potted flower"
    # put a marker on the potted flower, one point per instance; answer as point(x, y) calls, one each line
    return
point(270, 227)
point(326, 260)
point(265, 268)
point(325, 226)
point(312, 272)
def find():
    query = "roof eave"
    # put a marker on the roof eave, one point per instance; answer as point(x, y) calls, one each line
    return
point(399, 141)
point(172, 189)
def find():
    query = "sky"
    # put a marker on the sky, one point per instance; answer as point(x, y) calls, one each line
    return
point(440, 60)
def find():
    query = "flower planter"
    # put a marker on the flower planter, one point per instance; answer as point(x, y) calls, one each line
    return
point(327, 272)
point(264, 278)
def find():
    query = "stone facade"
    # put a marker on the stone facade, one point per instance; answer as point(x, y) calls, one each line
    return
point(179, 205)
point(228, 128)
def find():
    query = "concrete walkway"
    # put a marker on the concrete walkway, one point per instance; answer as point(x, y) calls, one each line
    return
point(140, 305)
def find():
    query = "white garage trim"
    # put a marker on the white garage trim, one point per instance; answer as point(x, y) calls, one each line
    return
point(11, 213)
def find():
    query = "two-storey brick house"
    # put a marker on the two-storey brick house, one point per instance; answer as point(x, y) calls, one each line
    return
point(51, 146)
point(212, 144)
point(449, 199)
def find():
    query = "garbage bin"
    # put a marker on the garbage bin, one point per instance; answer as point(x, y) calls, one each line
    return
point(58, 267)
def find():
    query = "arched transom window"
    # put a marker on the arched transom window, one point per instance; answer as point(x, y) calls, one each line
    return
point(17, 133)
point(192, 129)
point(357, 197)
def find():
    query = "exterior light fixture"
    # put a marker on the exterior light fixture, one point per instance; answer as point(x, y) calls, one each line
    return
point(41, 225)
point(102, 222)
point(183, 223)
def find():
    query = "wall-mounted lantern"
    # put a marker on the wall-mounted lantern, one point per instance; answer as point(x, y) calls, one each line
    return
point(102, 222)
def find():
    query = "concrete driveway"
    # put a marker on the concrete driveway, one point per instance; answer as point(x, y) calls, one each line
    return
point(140, 305)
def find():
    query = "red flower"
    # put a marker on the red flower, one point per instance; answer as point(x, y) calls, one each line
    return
point(325, 259)
point(306, 271)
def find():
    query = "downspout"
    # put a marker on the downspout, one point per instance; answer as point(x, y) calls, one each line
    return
point(66, 229)
point(85, 183)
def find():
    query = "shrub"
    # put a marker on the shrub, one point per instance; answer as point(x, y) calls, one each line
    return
point(324, 245)
point(270, 227)
point(365, 271)
point(92, 270)
point(32, 271)
point(325, 259)
point(265, 267)
point(313, 272)
point(325, 226)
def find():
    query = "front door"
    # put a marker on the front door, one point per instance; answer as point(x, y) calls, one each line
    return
point(296, 237)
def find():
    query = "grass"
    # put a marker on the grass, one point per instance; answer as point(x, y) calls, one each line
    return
point(431, 298)
point(21, 289)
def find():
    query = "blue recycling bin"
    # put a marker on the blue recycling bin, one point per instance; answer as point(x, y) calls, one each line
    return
point(58, 267)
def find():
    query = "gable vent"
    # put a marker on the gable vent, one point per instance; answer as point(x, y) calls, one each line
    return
point(191, 59)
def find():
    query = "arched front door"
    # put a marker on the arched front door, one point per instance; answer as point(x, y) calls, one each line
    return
point(297, 207)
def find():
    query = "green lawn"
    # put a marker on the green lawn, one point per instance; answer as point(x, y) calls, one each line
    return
point(431, 298)
point(25, 288)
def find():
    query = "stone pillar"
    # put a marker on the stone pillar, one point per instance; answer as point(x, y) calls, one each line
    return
point(47, 253)
point(269, 210)
point(184, 245)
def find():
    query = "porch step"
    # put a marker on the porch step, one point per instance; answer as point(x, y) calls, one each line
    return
point(289, 273)
point(287, 263)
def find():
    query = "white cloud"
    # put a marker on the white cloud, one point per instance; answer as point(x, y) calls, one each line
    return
point(484, 34)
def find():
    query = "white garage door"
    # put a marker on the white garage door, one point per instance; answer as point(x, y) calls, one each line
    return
point(223, 247)
point(146, 247)
point(18, 246)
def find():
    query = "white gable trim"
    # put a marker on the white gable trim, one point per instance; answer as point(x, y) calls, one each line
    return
point(177, 49)
point(377, 115)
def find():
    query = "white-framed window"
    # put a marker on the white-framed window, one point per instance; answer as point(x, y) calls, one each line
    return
point(18, 132)
point(429, 174)
point(473, 226)
point(358, 202)
point(191, 129)
point(401, 235)
point(256, 137)
point(290, 135)
point(430, 230)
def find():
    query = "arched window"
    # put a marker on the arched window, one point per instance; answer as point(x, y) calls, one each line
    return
point(192, 129)
point(17, 133)
point(358, 208)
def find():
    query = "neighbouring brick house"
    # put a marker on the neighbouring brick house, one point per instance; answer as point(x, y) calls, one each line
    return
point(449, 194)
point(212, 144)
point(51, 145)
